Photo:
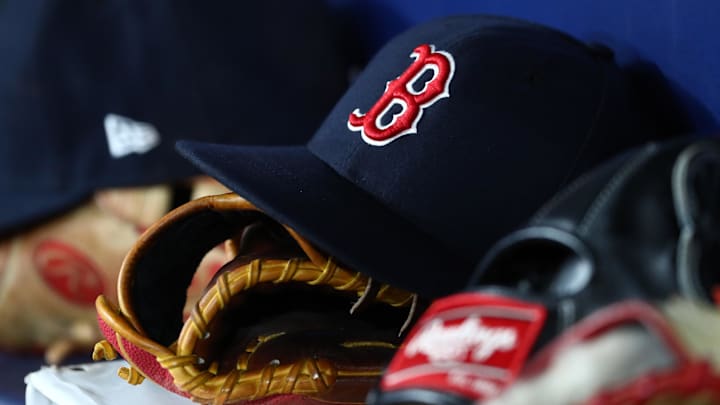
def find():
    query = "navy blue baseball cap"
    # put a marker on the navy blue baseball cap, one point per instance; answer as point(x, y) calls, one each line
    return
point(454, 134)
point(94, 94)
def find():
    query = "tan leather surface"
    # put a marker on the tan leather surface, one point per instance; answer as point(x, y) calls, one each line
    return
point(279, 318)
point(50, 274)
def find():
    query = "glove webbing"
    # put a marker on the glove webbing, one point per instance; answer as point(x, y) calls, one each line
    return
point(306, 376)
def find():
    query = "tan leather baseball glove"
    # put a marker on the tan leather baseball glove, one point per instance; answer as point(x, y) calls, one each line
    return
point(51, 273)
point(281, 321)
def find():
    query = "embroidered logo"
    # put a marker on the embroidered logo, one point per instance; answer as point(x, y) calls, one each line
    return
point(472, 344)
point(383, 123)
point(454, 343)
point(126, 136)
point(69, 272)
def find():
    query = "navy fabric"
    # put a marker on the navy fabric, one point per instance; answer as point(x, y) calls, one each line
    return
point(226, 71)
point(674, 42)
point(528, 109)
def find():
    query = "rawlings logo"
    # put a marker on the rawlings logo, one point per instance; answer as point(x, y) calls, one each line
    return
point(453, 343)
point(68, 272)
point(471, 344)
point(402, 93)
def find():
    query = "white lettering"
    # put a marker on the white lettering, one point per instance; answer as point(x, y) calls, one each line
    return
point(477, 384)
point(453, 343)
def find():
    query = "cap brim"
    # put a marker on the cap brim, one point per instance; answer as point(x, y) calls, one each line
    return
point(19, 210)
point(296, 188)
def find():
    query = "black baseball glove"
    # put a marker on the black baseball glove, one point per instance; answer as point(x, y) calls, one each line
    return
point(605, 297)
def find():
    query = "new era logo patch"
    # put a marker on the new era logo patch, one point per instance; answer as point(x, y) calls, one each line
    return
point(126, 136)
point(401, 106)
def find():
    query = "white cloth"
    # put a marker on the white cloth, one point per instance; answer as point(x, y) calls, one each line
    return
point(93, 384)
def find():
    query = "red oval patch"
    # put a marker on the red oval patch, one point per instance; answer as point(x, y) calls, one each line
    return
point(68, 272)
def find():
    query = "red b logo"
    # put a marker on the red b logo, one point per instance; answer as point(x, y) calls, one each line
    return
point(401, 92)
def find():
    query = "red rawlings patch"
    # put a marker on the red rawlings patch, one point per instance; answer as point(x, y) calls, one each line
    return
point(68, 272)
point(471, 344)
point(402, 93)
